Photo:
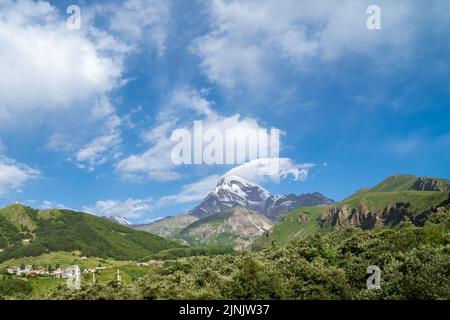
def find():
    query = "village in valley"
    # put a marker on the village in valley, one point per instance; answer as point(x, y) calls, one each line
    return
point(57, 272)
point(71, 269)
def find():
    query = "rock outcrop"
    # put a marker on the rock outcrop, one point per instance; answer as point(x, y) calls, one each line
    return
point(428, 184)
point(364, 217)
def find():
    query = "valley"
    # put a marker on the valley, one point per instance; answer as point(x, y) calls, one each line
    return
point(238, 230)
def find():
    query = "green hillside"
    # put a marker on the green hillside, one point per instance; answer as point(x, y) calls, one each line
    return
point(400, 182)
point(209, 231)
point(236, 228)
point(168, 227)
point(300, 222)
point(407, 182)
point(28, 232)
point(397, 190)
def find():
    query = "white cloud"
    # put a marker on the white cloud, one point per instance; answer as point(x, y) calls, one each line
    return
point(250, 38)
point(154, 164)
point(46, 204)
point(191, 192)
point(46, 66)
point(59, 142)
point(188, 99)
point(151, 220)
point(65, 77)
point(130, 208)
point(98, 143)
point(102, 147)
point(102, 108)
point(142, 20)
point(271, 170)
point(184, 107)
point(13, 175)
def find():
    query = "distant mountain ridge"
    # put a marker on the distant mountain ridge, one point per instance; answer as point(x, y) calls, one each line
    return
point(278, 206)
point(233, 191)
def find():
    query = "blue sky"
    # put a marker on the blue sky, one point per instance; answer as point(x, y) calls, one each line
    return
point(86, 115)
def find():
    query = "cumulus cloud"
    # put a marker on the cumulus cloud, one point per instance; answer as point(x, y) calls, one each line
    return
point(67, 76)
point(184, 107)
point(46, 66)
point(249, 39)
point(13, 175)
point(129, 208)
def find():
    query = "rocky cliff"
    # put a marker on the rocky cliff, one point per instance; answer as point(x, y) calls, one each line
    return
point(236, 228)
point(429, 184)
point(365, 218)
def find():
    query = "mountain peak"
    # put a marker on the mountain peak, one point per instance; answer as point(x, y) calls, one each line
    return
point(234, 191)
point(119, 220)
point(234, 178)
point(230, 192)
point(240, 187)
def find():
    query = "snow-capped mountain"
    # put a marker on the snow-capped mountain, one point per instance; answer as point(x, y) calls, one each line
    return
point(119, 220)
point(233, 191)
point(277, 206)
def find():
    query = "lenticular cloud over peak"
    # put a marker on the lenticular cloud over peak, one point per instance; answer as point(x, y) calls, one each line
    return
point(271, 169)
